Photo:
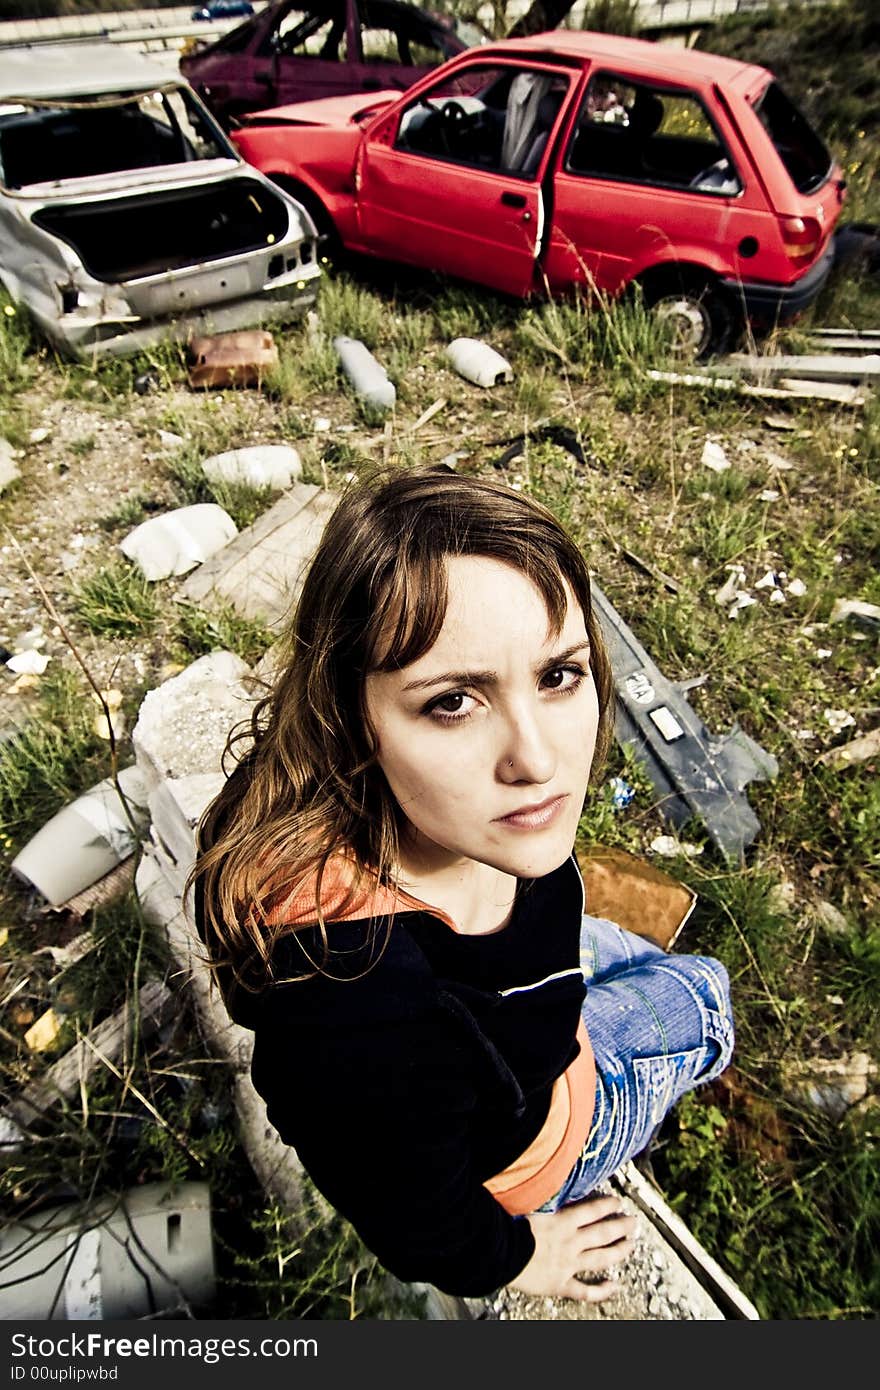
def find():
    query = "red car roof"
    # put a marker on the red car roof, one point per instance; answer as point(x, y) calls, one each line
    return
point(659, 60)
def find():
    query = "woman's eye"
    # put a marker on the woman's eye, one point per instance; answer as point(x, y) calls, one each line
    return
point(451, 708)
point(563, 678)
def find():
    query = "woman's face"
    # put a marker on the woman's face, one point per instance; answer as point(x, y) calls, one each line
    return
point(486, 740)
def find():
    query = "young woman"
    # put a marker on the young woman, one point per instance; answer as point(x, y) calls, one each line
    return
point(389, 898)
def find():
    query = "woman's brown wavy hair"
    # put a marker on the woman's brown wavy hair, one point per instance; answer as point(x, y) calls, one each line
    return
point(374, 599)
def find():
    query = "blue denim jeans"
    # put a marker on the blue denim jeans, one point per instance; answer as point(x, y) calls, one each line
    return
point(660, 1025)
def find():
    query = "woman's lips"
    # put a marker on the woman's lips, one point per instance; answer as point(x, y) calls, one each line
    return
point(534, 817)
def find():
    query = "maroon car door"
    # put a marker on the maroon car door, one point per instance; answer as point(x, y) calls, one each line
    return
point(315, 51)
point(451, 179)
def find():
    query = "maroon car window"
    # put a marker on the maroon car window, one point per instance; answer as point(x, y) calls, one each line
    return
point(805, 156)
point(643, 134)
point(494, 118)
point(317, 32)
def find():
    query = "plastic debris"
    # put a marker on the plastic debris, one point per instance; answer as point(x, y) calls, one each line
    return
point(694, 772)
point(42, 1034)
point(670, 847)
point(232, 359)
point(476, 361)
point(714, 457)
point(112, 700)
point(273, 466)
point(742, 600)
point(621, 793)
point(177, 541)
point(368, 377)
point(84, 840)
point(838, 720)
point(858, 750)
point(731, 586)
point(767, 580)
point(29, 662)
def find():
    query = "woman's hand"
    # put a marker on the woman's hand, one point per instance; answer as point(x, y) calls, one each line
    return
point(588, 1237)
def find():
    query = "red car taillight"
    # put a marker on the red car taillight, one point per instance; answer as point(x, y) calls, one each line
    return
point(801, 236)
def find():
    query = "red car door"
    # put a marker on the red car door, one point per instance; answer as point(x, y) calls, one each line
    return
point(647, 177)
point(451, 179)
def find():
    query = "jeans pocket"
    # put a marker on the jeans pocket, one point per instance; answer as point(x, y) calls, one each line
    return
point(658, 1083)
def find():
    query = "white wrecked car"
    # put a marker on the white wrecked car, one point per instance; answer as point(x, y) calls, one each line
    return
point(126, 216)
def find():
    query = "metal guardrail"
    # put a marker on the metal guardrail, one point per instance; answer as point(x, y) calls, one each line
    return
point(150, 30)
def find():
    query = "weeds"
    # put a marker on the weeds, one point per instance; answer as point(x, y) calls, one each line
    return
point(117, 601)
point(243, 502)
point(52, 758)
point(199, 632)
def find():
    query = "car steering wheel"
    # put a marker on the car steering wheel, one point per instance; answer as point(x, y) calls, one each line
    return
point(456, 118)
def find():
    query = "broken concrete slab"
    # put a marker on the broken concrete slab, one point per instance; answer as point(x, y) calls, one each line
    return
point(148, 1251)
point(174, 543)
point(182, 725)
point(831, 1085)
point(261, 571)
point(85, 840)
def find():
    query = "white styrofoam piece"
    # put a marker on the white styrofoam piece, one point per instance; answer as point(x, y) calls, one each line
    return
point(84, 840)
point(274, 466)
point(479, 362)
point(367, 376)
point(177, 541)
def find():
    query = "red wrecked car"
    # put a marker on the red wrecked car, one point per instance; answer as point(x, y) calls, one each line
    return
point(578, 159)
point(299, 50)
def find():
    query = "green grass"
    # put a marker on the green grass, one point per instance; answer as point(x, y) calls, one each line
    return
point(54, 756)
point(199, 632)
point(116, 601)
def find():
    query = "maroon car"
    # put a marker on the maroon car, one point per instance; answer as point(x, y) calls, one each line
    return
point(296, 50)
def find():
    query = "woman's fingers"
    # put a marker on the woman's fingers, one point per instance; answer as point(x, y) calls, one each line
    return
point(593, 1209)
point(606, 1232)
point(591, 1293)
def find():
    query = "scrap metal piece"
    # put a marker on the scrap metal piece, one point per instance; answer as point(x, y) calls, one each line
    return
point(694, 772)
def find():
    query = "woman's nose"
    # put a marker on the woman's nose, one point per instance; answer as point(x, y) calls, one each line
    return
point(526, 753)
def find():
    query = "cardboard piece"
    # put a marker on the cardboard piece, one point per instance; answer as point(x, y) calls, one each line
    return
point(635, 894)
point(232, 359)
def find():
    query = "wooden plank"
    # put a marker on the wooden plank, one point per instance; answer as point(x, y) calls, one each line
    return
point(155, 1004)
point(709, 1273)
point(261, 571)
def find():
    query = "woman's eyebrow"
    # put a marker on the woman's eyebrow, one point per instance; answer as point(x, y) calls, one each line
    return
point(483, 678)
